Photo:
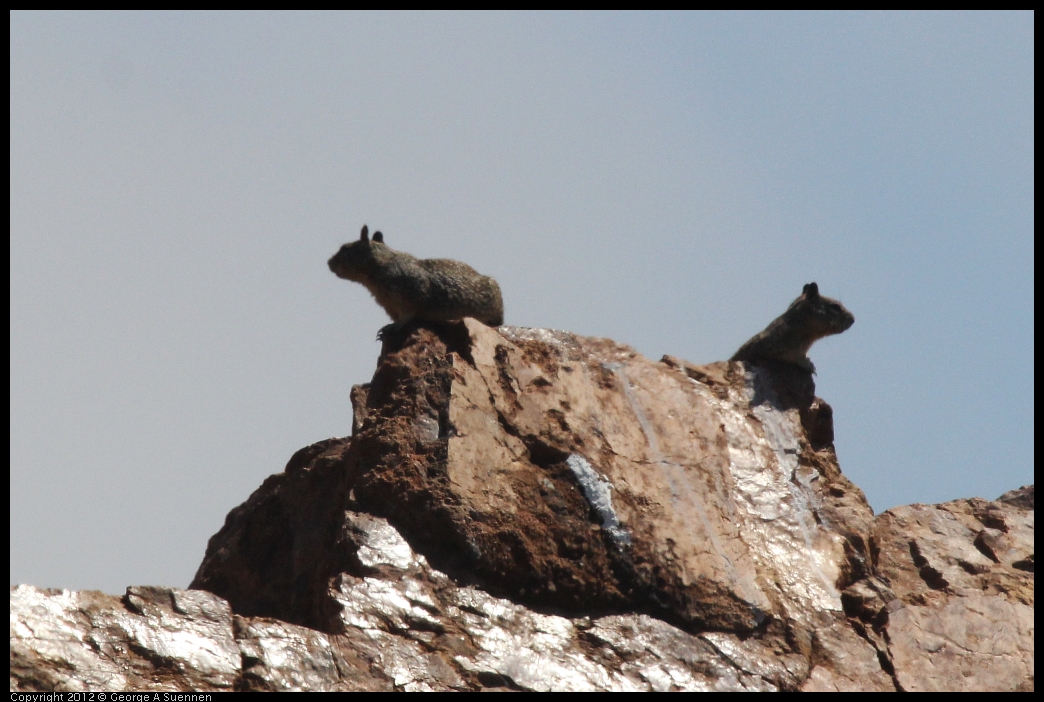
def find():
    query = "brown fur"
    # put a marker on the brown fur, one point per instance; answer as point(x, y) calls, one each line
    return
point(424, 290)
point(789, 337)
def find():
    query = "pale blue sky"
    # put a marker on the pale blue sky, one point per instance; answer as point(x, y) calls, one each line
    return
point(671, 181)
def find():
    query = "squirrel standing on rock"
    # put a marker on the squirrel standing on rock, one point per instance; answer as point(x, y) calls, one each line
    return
point(423, 290)
point(789, 337)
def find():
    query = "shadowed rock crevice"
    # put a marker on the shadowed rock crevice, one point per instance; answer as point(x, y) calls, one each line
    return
point(931, 577)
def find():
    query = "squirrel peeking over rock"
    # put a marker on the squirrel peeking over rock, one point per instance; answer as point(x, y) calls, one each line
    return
point(418, 290)
point(789, 337)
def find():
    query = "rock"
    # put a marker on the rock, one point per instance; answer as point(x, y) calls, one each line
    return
point(845, 662)
point(412, 629)
point(576, 475)
point(151, 639)
point(962, 574)
point(525, 509)
point(1021, 497)
point(970, 643)
point(276, 551)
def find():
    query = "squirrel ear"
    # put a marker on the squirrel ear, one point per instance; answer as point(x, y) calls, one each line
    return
point(364, 235)
point(378, 237)
point(811, 290)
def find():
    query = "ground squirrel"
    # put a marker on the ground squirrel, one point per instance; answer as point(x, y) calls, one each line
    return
point(790, 336)
point(411, 289)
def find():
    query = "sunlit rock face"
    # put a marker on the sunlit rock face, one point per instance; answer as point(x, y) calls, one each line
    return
point(962, 573)
point(529, 509)
point(575, 475)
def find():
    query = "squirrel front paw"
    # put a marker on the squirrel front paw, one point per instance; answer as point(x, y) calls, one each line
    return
point(389, 330)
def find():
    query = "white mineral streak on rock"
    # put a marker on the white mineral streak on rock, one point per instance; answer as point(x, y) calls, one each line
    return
point(394, 616)
point(374, 605)
point(535, 651)
point(538, 652)
point(413, 669)
point(92, 639)
point(274, 643)
point(426, 428)
point(292, 658)
point(381, 544)
point(754, 658)
point(633, 652)
point(598, 492)
point(781, 432)
point(553, 337)
point(192, 635)
point(52, 626)
point(763, 460)
point(666, 658)
point(683, 491)
point(679, 487)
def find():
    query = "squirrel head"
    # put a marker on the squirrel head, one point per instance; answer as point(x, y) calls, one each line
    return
point(354, 260)
point(818, 314)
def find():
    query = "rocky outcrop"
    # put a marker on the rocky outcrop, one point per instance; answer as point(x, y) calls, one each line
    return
point(528, 509)
point(962, 577)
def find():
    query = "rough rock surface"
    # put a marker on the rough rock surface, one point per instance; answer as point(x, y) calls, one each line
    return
point(528, 509)
point(962, 575)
